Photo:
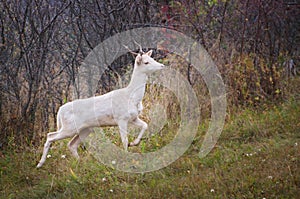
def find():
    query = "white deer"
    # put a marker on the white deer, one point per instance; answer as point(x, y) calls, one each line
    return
point(116, 108)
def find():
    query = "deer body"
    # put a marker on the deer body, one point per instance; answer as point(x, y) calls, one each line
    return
point(116, 108)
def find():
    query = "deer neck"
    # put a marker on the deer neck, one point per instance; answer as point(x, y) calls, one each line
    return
point(137, 85)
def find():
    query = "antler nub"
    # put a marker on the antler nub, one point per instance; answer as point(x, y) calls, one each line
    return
point(141, 49)
point(130, 50)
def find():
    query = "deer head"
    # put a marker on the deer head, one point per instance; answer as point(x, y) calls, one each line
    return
point(146, 64)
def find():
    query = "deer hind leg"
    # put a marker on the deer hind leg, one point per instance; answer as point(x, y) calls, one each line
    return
point(51, 137)
point(74, 143)
point(139, 123)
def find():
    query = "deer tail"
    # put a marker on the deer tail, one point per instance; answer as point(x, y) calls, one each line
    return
point(59, 120)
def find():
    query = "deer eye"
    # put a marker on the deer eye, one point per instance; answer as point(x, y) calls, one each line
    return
point(146, 63)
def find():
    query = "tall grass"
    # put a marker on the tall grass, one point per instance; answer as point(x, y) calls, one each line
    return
point(257, 156)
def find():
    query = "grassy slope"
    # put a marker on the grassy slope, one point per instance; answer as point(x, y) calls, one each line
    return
point(257, 156)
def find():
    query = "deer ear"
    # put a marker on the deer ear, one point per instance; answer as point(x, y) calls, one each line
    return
point(149, 53)
point(138, 59)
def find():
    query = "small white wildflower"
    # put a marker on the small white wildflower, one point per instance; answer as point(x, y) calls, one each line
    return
point(104, 179)
point(113, 162)
point(263, 198)
point(250, 154)
point(111, 190)
point(48, 156)
point(212, 190)
point(296, 144)
point(259, 149)
point(188, 171)
point(63, 156)
point(270, 177)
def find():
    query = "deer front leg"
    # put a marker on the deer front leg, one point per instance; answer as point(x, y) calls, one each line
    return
point(123, 133)
point(140, 123)
point(140, 107)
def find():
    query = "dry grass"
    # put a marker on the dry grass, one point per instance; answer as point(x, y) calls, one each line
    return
point(257, 156)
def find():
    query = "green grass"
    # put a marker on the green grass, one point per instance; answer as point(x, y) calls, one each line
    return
point(257, 156)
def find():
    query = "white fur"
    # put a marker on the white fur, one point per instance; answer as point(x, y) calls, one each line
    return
point(116, 108)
